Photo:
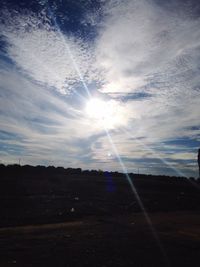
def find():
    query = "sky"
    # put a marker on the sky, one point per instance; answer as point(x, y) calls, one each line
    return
point(111, 85)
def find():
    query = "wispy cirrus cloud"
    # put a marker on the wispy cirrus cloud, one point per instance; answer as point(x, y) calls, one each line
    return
point(141, 43)
point(146, 48)
point(144, 59)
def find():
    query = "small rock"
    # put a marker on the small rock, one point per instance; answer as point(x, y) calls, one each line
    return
point(72, 210)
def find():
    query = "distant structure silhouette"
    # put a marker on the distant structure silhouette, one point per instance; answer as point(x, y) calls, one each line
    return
point(199, 161)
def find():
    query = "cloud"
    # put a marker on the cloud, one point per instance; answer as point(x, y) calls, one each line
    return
point(36, 44)
point(146, 48)
point(144, 60)
point(38, 125)
point(141, 43)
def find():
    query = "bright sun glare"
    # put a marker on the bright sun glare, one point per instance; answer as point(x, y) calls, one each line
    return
point(103, 112)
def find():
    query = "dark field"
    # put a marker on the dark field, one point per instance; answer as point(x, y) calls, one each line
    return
point(57, 217)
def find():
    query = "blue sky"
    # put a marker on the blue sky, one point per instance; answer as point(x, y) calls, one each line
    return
point(140, 59)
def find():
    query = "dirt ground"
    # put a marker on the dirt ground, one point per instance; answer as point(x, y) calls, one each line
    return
point(163, 239)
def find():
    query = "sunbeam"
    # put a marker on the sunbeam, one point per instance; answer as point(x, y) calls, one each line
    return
point(130, 182)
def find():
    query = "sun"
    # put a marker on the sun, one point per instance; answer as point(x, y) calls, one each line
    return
point(98, 109)
point(103, 112)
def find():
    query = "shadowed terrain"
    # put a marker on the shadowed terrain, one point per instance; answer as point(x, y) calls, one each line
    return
point(69, 217)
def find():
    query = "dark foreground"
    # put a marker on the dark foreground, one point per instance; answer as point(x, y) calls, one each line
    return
point(66, 217)
point(106, 241)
